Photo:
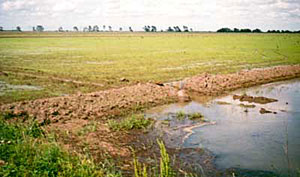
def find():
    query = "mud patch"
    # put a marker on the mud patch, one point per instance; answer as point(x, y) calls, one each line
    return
point(247, 105)
point(265, 111)
point(251, 99)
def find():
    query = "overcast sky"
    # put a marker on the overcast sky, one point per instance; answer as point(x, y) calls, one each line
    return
point(198, 14)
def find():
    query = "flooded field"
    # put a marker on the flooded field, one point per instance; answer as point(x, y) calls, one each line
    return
point(264, 138)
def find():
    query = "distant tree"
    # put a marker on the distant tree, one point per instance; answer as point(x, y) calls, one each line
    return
point(33, 29)
point(85, 29)
point(90, 29)
point(75, 28)
point(224, 30)
point(120, 29)
point(96, 28)
point(287, 31)
point(39, 28)
point(177, 29)
point(109, 28)
point(60, 29)
point(236, 30)
point(257, 31)
point(18, 28)
point(170, 29)
point(130, 29)
point(246, 30)
point(153, 29)
point(191, 29)
point(1, 28)
point(185, 29)
point(146, 28)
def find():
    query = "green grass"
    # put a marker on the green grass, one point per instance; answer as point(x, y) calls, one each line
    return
point(105, 58)
point(165, 168)
point(26, 150)
point(180, 115)
point(129, 123)
point(196, 116)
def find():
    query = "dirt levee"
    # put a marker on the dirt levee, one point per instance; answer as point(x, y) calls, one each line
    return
point(207, 84)
point(113, 102)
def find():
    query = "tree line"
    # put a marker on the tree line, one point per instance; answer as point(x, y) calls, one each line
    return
point(246, 30)
point(169, 29)
point(152, 28)
point(96, 28)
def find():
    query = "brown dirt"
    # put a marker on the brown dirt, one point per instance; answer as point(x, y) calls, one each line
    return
point(208, 84)
point(96, 105)
point(251, 99)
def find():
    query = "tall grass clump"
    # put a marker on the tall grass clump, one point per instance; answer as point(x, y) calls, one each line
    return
point(180, 115)
point(165, 165)
point(129, 123)
point(25, 150)
point(196, 116)
point(165, 169)
point(140, 170)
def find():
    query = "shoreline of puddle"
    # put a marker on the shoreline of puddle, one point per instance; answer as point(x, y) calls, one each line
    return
point(178, 136)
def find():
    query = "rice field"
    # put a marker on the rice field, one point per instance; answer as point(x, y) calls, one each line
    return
point(67, 63)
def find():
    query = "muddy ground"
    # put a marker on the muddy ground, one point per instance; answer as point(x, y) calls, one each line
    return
point(69, 116)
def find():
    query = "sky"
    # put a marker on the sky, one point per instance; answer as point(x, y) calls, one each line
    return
point(201, 15)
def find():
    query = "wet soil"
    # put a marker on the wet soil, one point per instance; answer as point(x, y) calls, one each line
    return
point(265, 111)
point(69, 114)
point(251, 99)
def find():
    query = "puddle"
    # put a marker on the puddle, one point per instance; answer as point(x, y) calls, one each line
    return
point(5, 87)
point(241, 137)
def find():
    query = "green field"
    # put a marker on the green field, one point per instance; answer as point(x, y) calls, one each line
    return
point(46, 59)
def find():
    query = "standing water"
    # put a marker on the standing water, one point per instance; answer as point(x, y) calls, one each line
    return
point(244, 138)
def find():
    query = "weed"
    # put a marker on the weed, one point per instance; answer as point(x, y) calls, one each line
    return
point(129, 123)
point(180, 115)
point(165, 166)
point(140, 170)
point(196, 116)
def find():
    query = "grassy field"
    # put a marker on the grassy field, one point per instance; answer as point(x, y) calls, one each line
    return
point(65, 63)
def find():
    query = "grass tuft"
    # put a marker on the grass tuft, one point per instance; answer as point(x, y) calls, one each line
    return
point(129, 123)
point(196, 116)
point(180, 115)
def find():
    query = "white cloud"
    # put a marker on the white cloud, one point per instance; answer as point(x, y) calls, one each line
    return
point(199, 14)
